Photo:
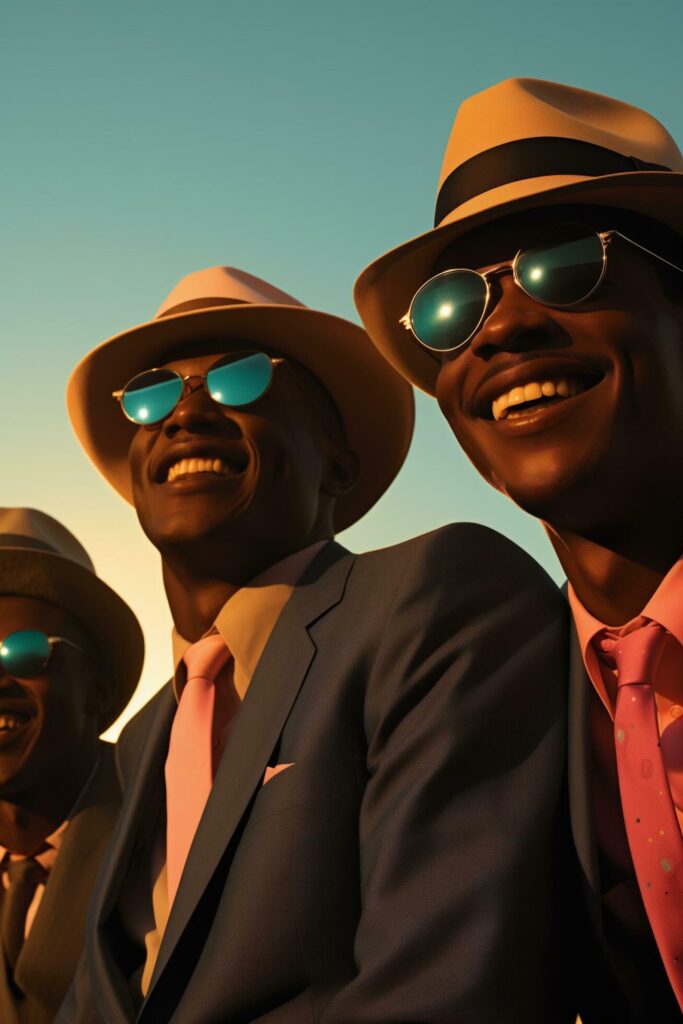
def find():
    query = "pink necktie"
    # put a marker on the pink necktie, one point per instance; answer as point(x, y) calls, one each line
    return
point(189, 764)
point(654, 834)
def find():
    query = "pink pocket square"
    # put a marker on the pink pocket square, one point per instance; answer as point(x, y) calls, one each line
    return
point(271, 772)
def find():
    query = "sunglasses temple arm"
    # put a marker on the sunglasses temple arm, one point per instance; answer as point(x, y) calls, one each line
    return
point(63, 640)
point(649, 251)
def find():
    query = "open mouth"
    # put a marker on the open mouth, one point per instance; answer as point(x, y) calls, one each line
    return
point(210, 464)
point(190, 467)
point(11, 723)
point(533, 395)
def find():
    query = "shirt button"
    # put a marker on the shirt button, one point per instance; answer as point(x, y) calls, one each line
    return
point(676, 711)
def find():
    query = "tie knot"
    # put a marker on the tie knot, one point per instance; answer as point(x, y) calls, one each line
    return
point(206, 658)
point(636, 654)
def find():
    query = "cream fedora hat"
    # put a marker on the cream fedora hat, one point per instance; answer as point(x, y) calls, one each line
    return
point(40, 558)
point(522, 143)
point(226, 305)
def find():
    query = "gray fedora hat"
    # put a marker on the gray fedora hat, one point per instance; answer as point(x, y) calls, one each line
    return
point(40, 558)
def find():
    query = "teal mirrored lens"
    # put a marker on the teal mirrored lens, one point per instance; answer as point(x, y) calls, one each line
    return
point(563, 266)
point(150, 397)
point(25, 653)
point(239, 381)
point(447, 310)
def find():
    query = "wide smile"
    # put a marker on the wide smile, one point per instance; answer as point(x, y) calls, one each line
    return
point(533, 390)
point(13, 724)
point(536, 394)
point(201, 467)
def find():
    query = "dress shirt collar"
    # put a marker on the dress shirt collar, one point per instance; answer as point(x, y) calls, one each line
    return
point(665, 607)
point(247, 618)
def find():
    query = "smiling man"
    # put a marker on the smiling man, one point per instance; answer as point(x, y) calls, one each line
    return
point(333, 811)
point(545, 312)
point(70, 656)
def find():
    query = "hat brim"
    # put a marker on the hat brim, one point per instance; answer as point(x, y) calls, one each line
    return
point(385, 288)
point(112, 625)
point(375, 404)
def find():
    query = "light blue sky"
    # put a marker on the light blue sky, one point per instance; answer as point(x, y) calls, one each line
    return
point(298, 140)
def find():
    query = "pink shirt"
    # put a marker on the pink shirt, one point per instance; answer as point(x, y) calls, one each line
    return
point(665, 607)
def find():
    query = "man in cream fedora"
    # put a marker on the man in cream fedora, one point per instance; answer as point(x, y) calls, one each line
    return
point(70, 657)
point(545, 312)
point(336, 810)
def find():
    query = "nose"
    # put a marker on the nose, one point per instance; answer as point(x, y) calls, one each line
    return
point(514, 323)
point(197, 413)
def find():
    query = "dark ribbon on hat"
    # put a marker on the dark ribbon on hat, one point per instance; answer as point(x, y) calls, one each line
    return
point(531, 158)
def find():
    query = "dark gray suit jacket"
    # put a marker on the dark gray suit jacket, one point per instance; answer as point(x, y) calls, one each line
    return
point(49, 956)
point(619, 974)
point(401, 871)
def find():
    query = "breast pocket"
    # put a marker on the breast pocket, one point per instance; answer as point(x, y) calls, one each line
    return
point(305, 783)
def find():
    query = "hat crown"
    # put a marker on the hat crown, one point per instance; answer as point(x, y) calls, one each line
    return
point(555, 129)
point(22, 528)
point(526, 108)
point(222, 286)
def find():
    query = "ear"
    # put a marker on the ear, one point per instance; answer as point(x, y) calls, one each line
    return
point(341, 471)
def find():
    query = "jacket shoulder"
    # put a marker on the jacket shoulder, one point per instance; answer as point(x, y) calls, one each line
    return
point(462, 548)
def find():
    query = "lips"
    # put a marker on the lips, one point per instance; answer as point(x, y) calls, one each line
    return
point(191, 461)
point(12, 724)
point(532, 385)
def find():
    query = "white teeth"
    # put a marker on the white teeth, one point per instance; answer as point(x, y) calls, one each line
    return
point(186, 466)
point(564, 387)
point(11, 721)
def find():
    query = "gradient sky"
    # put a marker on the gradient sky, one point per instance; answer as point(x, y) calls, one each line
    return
point(297, 140)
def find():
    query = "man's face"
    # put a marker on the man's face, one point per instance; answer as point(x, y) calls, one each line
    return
point(262, 469)
point(616, 441)
point(46, 722)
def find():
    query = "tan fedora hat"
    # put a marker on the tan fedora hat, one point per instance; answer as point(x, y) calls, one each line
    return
point(40, 558)
point(224, 305)
point(520, 144)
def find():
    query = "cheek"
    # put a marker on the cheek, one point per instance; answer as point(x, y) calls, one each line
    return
point(449, 394)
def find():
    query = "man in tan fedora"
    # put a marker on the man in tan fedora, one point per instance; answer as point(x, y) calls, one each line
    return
point(545, 312)
point(332, 812)
point(70, 656)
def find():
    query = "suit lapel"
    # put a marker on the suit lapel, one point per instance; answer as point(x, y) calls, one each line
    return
point(580, 767)
point(62, 909)
point(141, 802)
point(139, 813)
point(256, 730)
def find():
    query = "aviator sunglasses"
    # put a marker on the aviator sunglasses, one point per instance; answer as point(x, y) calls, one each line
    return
point(234, 381)
point(563, 267)
point(26, 653)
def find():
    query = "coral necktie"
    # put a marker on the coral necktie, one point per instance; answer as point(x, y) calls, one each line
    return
point(189, 764)
point(652, 827)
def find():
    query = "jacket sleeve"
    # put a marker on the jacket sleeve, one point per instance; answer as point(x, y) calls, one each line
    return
point(464, 720)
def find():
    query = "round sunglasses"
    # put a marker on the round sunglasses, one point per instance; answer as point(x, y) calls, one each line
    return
point(562, 268)
point(27, 652)
point(234, 381)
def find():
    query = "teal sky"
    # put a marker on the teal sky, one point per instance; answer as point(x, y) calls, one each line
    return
point(297, 140)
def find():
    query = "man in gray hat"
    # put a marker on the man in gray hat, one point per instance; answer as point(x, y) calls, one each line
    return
point(333, 811)
point(70, 656)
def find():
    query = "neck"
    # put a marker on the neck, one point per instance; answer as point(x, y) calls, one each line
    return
point(616, 570)
point(28, 818)
point(198, 588)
